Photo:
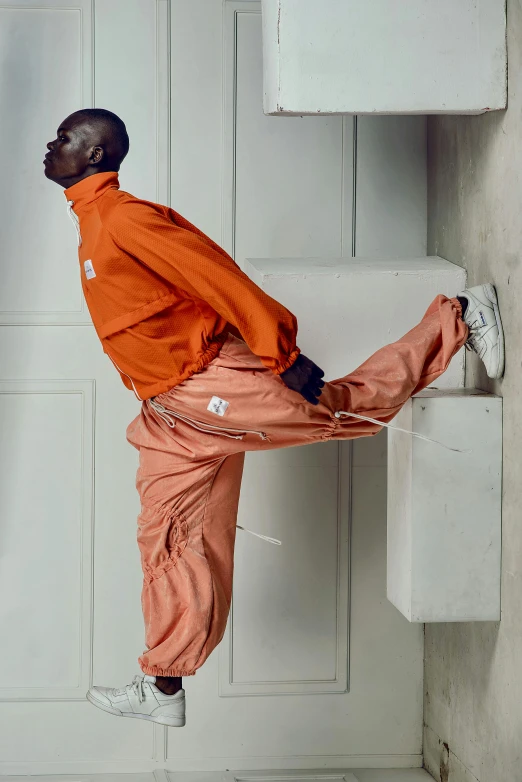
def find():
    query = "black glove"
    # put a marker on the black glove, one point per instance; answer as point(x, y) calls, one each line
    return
point(304, 377)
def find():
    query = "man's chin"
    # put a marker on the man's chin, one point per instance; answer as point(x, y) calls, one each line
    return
point(48, 171)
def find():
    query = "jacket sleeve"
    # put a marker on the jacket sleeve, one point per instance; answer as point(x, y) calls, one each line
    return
point(181, 254)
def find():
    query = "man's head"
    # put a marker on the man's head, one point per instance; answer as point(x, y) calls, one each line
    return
point(88, 142)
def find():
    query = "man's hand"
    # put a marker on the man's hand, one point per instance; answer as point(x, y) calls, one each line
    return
point(304, 377)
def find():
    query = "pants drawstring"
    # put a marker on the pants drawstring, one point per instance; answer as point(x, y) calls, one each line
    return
point(339, 413)
point(264, 537)
point(171, 422)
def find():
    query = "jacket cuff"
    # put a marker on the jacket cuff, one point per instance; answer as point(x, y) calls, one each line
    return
point(287, 363)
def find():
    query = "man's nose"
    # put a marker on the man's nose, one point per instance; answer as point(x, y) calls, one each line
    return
point(50, 146)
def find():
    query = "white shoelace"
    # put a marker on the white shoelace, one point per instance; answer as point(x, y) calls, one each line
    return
point(339, 413)
point(136, 687)
point(474, 339)
point(74, 217)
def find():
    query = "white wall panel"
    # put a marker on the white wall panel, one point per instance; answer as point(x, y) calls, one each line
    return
point(57, 725)
point(39, 282)
point(132, 79)
point(279, 610)
point(288, 184)
point(46, 459)
point(288, 629)
point(54, 738)
point(391, 187)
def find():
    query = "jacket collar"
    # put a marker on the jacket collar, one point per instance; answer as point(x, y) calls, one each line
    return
point(92, 187)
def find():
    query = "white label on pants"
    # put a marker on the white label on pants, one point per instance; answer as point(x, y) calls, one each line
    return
point(217, 405)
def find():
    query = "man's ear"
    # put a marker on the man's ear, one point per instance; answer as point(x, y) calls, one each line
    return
point(96, 155)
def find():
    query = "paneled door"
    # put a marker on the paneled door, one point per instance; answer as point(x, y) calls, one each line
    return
point(310, 674)
point(70, 575)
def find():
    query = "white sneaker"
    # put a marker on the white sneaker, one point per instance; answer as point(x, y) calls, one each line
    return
point(486, 336)
point(143, 700)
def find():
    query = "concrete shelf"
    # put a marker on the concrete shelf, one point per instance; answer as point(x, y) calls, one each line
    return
point(384, 56)
point(444, 508)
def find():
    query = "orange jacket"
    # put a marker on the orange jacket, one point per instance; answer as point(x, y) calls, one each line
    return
point(162, 295)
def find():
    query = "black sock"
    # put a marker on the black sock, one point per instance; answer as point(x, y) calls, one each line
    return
point(173, 681)
point(464, 303)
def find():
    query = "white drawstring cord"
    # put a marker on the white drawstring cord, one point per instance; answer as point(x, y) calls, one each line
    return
point(339, 413)
point(264, 537)
point(169, 417)
point(170, 421)
point(76, 222)
point(138, 397)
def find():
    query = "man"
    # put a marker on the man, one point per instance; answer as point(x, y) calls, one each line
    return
point(215, 363)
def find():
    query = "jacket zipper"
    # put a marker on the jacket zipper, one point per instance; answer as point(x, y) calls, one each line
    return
point(203, 427)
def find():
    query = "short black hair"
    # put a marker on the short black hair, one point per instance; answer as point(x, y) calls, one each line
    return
point(117, 130)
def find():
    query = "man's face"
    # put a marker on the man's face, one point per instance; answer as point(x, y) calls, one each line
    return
point(72, 153)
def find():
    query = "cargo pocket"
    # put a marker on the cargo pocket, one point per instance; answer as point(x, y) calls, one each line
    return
point(162, 538)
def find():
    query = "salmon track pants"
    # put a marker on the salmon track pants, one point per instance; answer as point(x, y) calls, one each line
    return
point(191, 465)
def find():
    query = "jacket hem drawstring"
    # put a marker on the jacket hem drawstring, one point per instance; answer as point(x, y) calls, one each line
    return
point(138, 397)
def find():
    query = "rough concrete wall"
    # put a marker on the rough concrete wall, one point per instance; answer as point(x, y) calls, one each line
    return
point(473, 672)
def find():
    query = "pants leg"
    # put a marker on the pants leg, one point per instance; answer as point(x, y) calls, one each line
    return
point(190, 469)
point(186, 536)
point(382, 385)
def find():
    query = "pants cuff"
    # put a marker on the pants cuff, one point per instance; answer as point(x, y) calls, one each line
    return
point(153, 670)
point(458, 306)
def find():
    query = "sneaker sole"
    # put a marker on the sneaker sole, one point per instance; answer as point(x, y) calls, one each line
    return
point(491, 295)
point(171, 722)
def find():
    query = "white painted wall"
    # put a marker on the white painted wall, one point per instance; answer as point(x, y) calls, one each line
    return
point(384, 56)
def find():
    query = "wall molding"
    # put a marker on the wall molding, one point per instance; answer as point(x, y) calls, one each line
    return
point(163, 109)
point(231, 9)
